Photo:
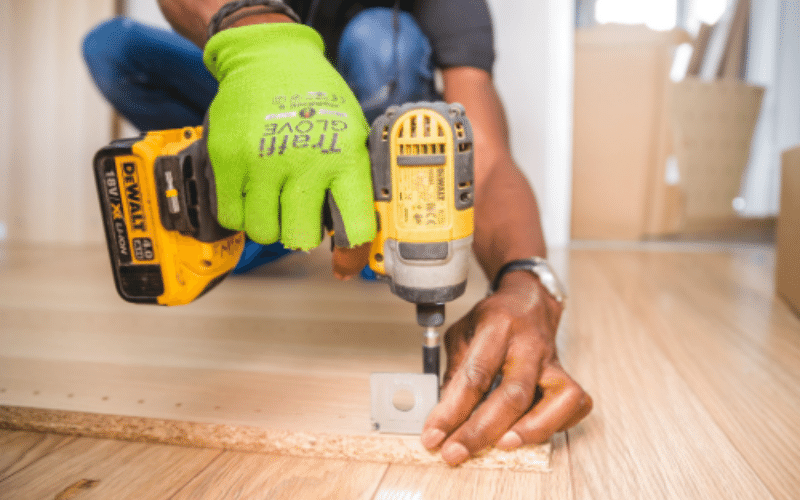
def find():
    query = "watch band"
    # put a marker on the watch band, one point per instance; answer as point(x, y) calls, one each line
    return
point(539, 267)
point(230, 8)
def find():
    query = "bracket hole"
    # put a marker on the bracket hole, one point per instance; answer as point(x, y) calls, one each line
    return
point(403, 400)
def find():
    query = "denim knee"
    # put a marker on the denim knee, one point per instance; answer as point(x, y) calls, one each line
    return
point(383, 67)
point(155, 78)
point(104, 49)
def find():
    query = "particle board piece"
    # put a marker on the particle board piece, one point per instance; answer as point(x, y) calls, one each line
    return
point(430, 483)
point(286, 350)
point(369, 448)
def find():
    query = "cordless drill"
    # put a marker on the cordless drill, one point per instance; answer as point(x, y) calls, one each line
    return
point(423, 183)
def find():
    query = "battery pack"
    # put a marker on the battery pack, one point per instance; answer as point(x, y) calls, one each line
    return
point(164, 242)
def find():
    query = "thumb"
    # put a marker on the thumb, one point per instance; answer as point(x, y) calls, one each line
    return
point(352, 208)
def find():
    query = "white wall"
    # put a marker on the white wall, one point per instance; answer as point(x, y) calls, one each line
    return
point(52, 121)
point(146, 11)
point(534, 75)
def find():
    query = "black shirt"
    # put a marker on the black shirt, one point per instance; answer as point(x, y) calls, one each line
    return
point(460, 31)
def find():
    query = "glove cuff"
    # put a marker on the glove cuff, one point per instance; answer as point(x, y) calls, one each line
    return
point(287, 38)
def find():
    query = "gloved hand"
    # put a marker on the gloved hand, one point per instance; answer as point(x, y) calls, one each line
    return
point(283, 129)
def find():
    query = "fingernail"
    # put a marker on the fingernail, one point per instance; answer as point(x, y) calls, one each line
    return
point(432, 438)
point(455, 453)
point(509, 441)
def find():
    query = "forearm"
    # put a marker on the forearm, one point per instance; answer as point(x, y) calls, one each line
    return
point(190, 18)
point(507, 224)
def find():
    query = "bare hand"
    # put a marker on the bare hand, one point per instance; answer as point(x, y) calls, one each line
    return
point(511, 332)
point(348, 262)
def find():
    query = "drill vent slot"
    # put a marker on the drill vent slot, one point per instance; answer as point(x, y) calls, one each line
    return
point(422, 149)
point(192, 200)
point(460, 130)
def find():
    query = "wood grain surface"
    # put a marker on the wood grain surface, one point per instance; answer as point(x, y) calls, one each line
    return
point(693, 362)
point(275, 361)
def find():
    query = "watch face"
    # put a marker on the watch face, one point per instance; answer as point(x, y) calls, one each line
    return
point(548, 278)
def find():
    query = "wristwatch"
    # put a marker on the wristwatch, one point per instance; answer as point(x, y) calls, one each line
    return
point(538, 267)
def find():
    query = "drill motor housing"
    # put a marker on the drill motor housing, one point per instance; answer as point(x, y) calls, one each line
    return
point(423, 181)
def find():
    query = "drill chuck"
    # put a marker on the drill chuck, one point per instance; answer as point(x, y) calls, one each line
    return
point(430, 315)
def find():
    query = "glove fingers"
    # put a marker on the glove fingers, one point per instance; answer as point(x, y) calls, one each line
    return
point(301, 211)
point(262, 212)
point(352, 192)
point(230, 205)
point(229, 176)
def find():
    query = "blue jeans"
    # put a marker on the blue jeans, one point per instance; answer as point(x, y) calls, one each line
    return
point(156, 79)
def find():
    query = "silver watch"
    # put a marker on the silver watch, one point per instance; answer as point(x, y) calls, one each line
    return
point(541, 269)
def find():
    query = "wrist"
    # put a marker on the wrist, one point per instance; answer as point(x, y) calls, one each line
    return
point(247, 12)
point(537, 268)
point(257, 18)
point(517, 279)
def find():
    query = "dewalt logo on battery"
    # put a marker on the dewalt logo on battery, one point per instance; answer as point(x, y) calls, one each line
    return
point(133, 196)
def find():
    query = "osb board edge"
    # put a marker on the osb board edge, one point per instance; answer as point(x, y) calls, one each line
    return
point(378, 448)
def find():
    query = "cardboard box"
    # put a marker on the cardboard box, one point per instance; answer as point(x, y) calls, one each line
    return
point(622, 129)
point(712, 128)
point(631, 121)
point(787, 245)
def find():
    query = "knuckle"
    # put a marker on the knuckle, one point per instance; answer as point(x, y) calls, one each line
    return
point(517, 396)
point(577, 396)
point(477, 377)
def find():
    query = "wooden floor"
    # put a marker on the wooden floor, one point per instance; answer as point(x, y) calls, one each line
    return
point(692, 361)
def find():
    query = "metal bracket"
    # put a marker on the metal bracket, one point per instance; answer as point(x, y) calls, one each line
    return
point(402, 401)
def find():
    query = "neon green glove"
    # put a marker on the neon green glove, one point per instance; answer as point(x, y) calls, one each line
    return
point(283, 129)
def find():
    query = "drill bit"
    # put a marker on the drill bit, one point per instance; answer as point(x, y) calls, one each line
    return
point(430, 316)
point(430, 351)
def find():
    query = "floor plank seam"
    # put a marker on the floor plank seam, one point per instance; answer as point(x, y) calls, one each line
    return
point(570, 469)
point(22, 456)
point(66, 439)
point(199, 472)
point(374, 495)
